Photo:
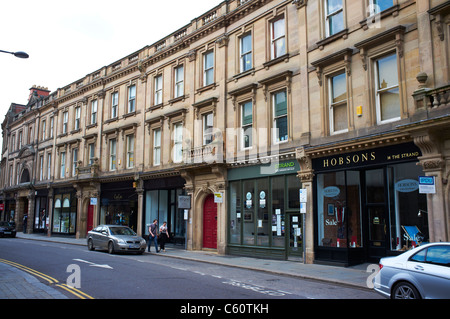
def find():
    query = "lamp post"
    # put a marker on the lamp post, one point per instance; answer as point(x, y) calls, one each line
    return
point(18, 54)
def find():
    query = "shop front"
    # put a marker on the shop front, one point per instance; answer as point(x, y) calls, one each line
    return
point(64, 217)
point(118, 204)
point(161, 197)
point(41, 217)
point(367, 204)
point(264, 211)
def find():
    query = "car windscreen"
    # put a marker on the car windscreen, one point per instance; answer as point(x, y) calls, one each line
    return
point(122, 231)
point(4, 224)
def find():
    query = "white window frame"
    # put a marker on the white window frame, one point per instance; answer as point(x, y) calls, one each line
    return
point(49, 165)
point(44, 129)
point(65, 122)
point(62, 172)
point(276, 137)
point(157, 146)
point(247, 126)
point(114, 104)
point(77, 117)
point(379, 91)
point(112, 154)
point(244, 54)
point(179, 81)
point(178, 142)
point(330, 15)
point(274, 40)
point(41, 167)
point(131, 98)
point(158, 89)
point(130, 151)
point(208, 70)
point(52, 123)
point(74, 161)
point(91, 147)
point(332, 105)
point(94, 111)
point(208, 131)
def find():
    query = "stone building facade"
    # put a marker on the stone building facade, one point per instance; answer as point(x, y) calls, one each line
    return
point(240, 109)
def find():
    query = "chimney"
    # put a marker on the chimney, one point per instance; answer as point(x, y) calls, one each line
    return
point(39, 91)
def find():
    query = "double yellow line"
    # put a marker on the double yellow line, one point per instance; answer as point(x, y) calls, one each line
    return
point(50, 280)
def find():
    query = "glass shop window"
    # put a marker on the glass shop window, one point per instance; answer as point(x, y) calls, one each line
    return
point(235, 212)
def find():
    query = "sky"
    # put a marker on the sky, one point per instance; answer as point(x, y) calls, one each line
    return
point(66, 40)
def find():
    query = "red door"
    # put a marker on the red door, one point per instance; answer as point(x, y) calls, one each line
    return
point(90, 218)
point(210, 223)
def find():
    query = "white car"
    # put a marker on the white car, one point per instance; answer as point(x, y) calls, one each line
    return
point(422, 272)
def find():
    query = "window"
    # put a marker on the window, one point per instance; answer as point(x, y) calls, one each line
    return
point(338, 103)
point(44, 130)
point(130, 151)
point(381, 5)
point(63, 165)
point(13, 142)
point(208, 128)
point(49, 165)
point(11, 175)
point(91, 153)
point(20, 139)
point(41, 168)
point(131, 98)
point(246, 52)
point(65, 121)
point(387, 89)
point(114, 104)
point(94, 112)
point(74, 161)
point(52, 121)
point(112, 154)
point(177, 143)
point(179, 81)
point(156, 147)
point(334, 12)
point(246, 125)
point(278, 38)
point(280, 121)
point(158, 89)
point(77, 118)
point(208, 68)
point(437, 255)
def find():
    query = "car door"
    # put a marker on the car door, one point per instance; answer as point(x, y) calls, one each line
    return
point(433, 273)
point(103, 238)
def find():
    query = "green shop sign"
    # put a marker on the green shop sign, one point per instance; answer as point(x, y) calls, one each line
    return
point(270, 169)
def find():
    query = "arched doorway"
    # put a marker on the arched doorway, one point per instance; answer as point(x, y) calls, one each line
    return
point(209, 223)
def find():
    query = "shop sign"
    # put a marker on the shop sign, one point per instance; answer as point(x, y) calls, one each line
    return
point(2, 206)
point(331, 191)
point(184, 201)
point(218, 198)
point(407, 186)
point(383, 155)
point(427, 185)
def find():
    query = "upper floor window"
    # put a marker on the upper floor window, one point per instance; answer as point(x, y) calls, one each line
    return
point(158, 89)
point(20, 139)
point(156, 147)
point(77, 118)
point(208, 68)
point(338, 103)
point(112, 154)
point(208, 123)
point(280, 116)
point(94, 112)
point(131, 98)
point(63, 165)
point(334, 16)
point(52, 122)
point(74, 161)
point(178, 143)
point(91, 153)
point(49, 165)
point(179, 81)
point(278, 37)
point(65, 121)
point(387, 89)
point(246, 125)
point(114, 104)
point(380, 5)
point(130, 151)
point(44, 130)
point(41, 167)
point(246, 52)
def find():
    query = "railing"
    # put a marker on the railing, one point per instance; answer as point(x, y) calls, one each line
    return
point(208, 154)
point(432, 98)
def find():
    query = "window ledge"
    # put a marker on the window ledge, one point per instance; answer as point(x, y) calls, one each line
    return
point(207, 87)
point(284, 58)
point(341, 34)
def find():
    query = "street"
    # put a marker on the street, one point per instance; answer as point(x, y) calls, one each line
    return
point(102, 276)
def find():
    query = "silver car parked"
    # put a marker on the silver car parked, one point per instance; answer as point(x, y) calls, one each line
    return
point(115, 238)
point(422, 272)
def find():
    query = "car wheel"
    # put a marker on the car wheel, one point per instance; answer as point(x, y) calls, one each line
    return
point(91, 245)
point(405, 290)
point(111, 247)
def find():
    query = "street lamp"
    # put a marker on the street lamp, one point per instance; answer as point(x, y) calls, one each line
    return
point(18, 54)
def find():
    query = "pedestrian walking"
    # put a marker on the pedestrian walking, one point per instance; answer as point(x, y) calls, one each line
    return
point(153, 235)
point(163, 236)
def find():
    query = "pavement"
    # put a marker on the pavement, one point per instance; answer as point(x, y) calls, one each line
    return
point(17, 284)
